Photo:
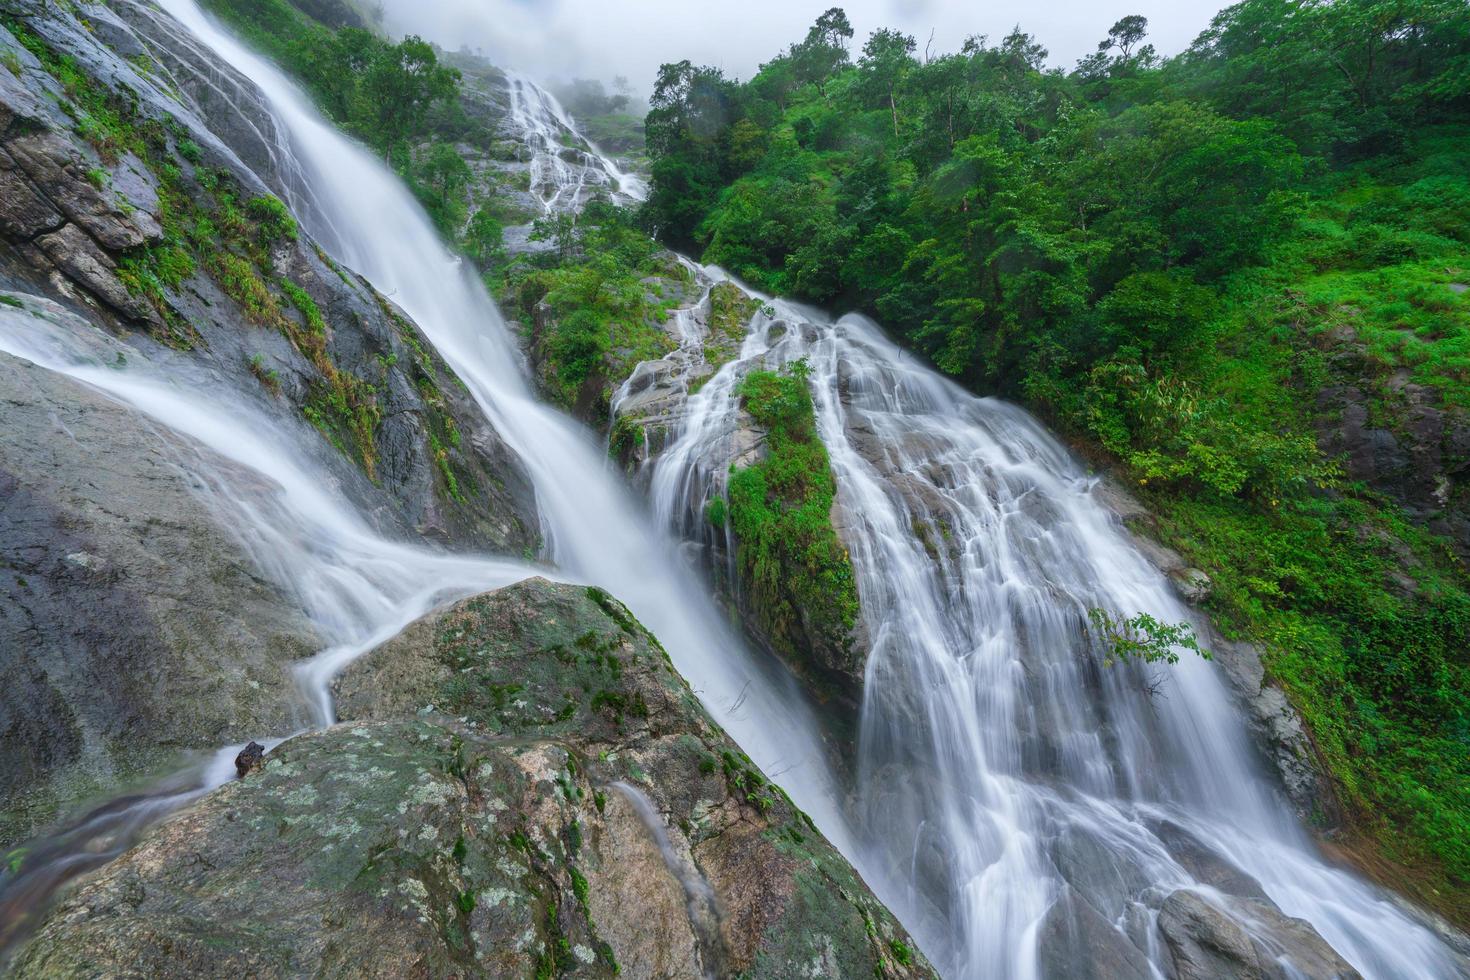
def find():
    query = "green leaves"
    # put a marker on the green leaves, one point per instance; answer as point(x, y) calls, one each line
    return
point(1144, 638)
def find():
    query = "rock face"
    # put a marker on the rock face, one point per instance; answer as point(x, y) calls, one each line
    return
point(524, 786)
point(1398, 437)
point(103, 185)
point(132, 625)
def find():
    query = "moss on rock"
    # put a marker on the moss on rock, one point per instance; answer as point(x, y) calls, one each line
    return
point(478, 814)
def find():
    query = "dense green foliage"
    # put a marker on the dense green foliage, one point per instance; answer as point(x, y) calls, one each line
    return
point(798, 575)
point(600, 318)
point(1170, 259)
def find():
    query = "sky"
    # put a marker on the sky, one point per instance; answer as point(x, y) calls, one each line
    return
point(560, 39)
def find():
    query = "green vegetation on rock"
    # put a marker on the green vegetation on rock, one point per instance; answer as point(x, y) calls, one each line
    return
point(796, 573)
point(209, 223)
point(592, 314)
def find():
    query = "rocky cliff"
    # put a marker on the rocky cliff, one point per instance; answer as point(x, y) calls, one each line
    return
point(142, 189)
point(522, 786)
point(141, 215)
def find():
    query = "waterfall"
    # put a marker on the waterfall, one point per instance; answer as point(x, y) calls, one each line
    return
point(1000, 764)
point(596, 532)
point(358, 587)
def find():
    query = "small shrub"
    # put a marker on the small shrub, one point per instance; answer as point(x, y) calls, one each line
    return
point(1144, 638)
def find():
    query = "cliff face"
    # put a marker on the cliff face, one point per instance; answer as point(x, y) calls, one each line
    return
point(142, 188)
point(141, 219)
point(1404, 440)
point(523, 786)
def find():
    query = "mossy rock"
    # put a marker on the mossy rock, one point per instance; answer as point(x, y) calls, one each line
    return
point(478, 814)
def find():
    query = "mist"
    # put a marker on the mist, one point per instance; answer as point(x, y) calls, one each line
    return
point(563, 39)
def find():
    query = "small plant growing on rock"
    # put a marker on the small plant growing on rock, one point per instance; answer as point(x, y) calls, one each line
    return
point(265, 375)
point(273, 222)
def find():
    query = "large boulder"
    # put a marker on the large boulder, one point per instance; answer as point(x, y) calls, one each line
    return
point(1205, 942)
point(132, 625)
point(522, 786)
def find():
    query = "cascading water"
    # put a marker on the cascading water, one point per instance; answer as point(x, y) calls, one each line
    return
point(1002, 766)
point(595, 532)
point(559, 183)
point(358, 587)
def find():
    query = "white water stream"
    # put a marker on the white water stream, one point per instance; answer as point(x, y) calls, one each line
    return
point(1001, 764)
point(595, 530)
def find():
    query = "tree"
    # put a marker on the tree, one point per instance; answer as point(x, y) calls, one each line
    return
point(886, 60)
point(1125, 35)
point(403, 82)
point(824, 50)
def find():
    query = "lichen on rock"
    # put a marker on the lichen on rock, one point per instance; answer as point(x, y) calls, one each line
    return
point(506, 831)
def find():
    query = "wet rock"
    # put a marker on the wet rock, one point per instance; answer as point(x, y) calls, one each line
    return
point(1206, 943)
point(57, 168)
point(250, 759)
point(132, 626)
point(1193, 585)
point(1077, 943)
point(74, 253)
point(499, 835)
point(24, 213)
point(1100, 876)
point(1204, 863)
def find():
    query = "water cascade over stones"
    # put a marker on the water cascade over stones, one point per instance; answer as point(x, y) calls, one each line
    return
point(593, 528)
point(358, 585)
point(1027, 809)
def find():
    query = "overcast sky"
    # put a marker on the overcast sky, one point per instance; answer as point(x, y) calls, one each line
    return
point(550, 39)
